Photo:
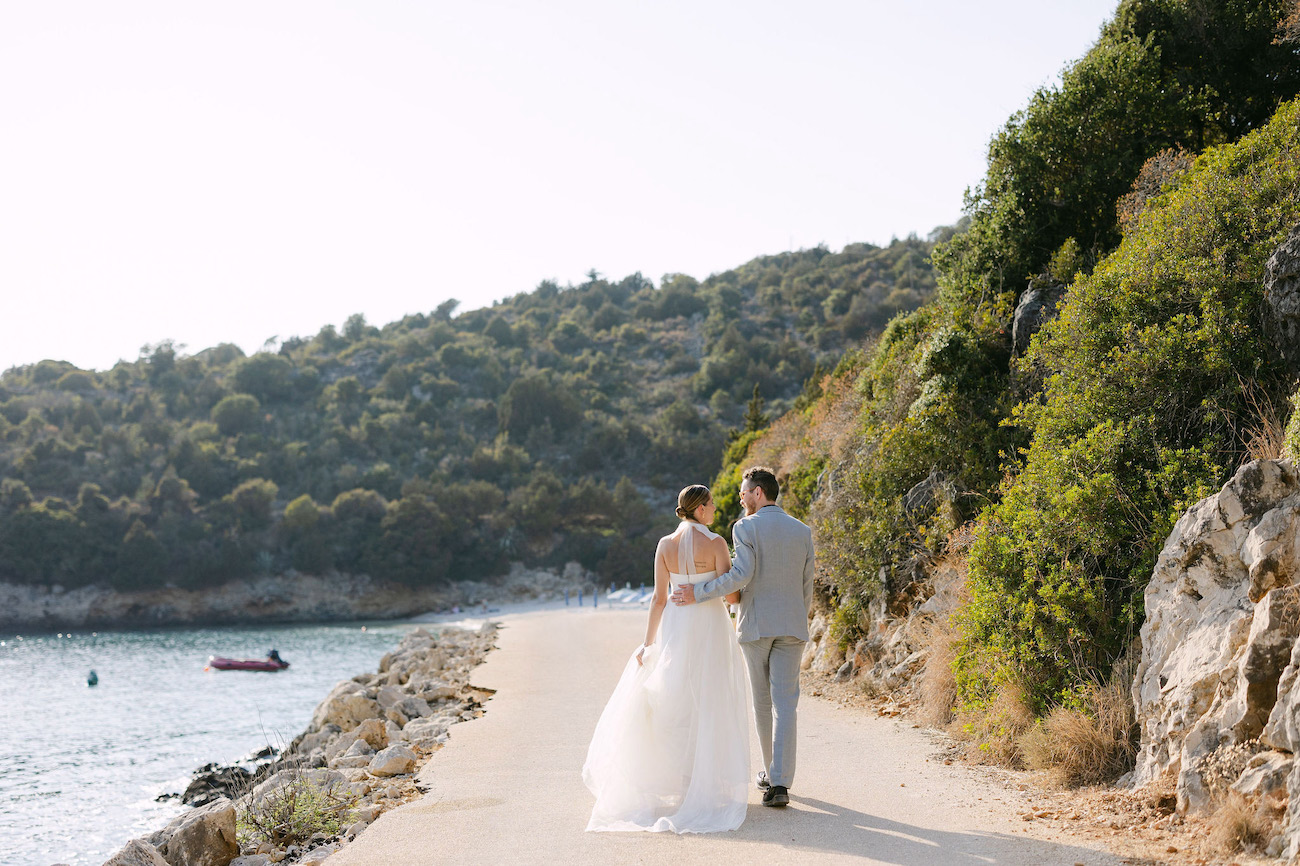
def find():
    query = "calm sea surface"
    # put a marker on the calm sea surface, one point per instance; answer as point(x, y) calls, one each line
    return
point(80, 767)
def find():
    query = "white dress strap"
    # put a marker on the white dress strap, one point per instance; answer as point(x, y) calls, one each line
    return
point(686, 545)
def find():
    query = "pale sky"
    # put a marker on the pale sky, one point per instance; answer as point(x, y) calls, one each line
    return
point(236, 171)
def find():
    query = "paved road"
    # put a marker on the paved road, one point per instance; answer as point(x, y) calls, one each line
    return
point(507, 787)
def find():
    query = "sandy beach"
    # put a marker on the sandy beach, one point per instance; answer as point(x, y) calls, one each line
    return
point(507, 787)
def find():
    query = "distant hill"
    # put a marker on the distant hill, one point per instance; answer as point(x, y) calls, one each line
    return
point(556, 425)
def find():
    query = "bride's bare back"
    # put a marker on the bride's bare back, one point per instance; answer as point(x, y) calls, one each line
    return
point(708, 555)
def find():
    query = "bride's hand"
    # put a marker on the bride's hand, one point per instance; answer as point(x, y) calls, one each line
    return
point(640, 653)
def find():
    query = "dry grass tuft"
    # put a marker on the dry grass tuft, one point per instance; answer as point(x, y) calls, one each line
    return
point(938, 689)
point(1085, 747)
point(836, 417)
point(995, 732)
point(1288, 30)
point(1264, 430)
point(1238, 824)
point(940, 637)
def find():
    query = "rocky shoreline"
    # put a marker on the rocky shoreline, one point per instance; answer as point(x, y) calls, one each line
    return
point(358, 758)
point(272, 599)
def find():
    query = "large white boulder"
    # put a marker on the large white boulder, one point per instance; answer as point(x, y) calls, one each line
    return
point(1220, 627)
point(396, 760)
point(201, 837)
point(347, 706)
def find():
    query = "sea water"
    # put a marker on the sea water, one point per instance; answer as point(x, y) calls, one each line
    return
point(81, 767)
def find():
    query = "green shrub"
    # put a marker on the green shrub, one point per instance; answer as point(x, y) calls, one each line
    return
point(294, 813)
point(238, 413)
point(726, 486)
point(934, 394)
point(801, 487)
point(1150, 369)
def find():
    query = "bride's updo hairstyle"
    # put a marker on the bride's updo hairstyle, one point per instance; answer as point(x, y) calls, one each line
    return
point(690, 499)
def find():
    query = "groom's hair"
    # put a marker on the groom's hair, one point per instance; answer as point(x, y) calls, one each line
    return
point(765, 480)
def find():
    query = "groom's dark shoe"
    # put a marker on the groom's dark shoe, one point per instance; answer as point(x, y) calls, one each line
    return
point(762, 782)
point(777, 795)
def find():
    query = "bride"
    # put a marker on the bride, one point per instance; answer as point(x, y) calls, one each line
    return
point(671, 750)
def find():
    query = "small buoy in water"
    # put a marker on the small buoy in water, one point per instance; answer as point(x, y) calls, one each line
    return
point(93, 679)
point(206, 668)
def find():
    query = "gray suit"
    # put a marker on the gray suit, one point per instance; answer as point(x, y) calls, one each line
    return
point(774, 569)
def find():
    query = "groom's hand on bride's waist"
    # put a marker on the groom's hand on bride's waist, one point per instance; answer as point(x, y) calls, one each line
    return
point(684, 594)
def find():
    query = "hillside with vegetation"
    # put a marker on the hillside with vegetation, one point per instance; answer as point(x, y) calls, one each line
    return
point(1030, 479)
point(554, 426)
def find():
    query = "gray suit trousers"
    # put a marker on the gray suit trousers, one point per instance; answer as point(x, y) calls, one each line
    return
point(774, 676)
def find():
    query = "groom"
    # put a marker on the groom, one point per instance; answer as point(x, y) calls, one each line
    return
point(774, 567)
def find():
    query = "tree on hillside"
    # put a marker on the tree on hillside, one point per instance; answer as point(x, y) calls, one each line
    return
point(755, 419)
point(238, 413)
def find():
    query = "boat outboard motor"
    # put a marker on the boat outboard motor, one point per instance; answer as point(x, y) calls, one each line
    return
point(93, 679)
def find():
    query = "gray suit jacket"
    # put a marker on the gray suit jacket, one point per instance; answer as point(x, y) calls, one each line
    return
point(774, 567)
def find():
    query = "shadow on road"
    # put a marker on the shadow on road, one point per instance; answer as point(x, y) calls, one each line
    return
point(814, 825)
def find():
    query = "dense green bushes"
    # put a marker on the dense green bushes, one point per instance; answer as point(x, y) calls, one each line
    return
point(1162, 74)
point(1151, 370)
point(433, 448)
point(1146, 374)
point(932, 399)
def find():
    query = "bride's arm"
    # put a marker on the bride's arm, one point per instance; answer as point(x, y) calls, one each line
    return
point(722, 564)
point(658, 602)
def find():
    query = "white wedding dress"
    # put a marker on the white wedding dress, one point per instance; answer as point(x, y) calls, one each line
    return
point(671, 750)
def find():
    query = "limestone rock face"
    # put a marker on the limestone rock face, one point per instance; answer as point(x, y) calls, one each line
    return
point(1283, 728)
point(816, 633)
point(928, 495)
point(1282, 291)
point(1265, 773)
point(821, 654)
point(137, 852)
point(1035, 308)
point(1220, 633)
point(202, 837)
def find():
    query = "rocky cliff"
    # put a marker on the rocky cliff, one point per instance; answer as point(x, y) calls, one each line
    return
point(1217, 689)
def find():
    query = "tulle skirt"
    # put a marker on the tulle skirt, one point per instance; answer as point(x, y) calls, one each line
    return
point(671, 750)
